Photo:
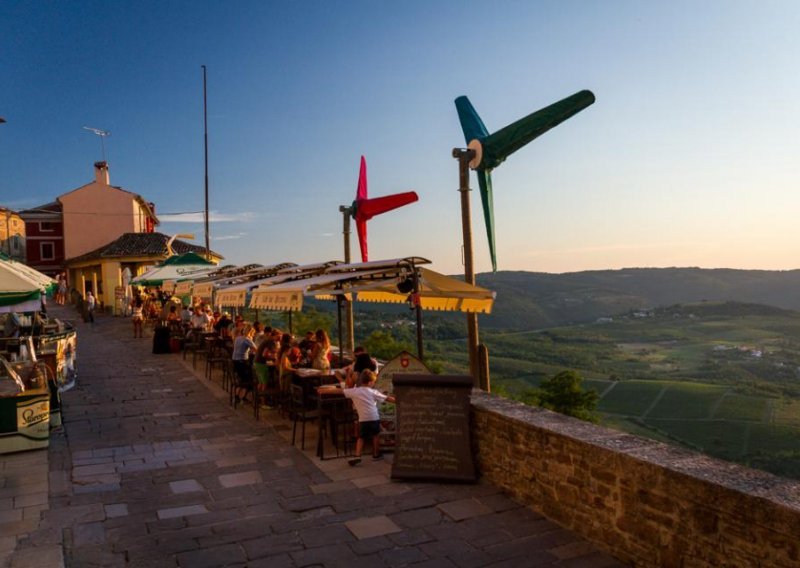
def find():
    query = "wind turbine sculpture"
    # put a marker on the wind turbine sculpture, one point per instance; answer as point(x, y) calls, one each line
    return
point(484, 153)
point(365, 208)
point(490, 150)
point(362, 210)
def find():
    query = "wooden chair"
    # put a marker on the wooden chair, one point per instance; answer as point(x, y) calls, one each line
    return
point(217, 357)
point(300, 413)
point(190, 342)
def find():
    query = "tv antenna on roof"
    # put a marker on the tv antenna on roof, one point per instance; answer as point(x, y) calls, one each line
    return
point(102, 134)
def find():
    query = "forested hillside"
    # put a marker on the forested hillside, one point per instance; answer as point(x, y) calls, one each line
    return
point(532, 300)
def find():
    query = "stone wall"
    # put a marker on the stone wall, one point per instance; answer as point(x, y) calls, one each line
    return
point(647, 503)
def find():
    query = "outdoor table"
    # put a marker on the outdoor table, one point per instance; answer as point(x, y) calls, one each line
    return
point(309, 379)
point(330, 399)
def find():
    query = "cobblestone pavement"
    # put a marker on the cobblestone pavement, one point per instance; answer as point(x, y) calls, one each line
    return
point(153, 468)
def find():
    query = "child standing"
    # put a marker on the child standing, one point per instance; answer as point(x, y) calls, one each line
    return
point(365, 398)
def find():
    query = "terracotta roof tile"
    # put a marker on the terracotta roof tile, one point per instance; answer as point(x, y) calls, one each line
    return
point(139, 244)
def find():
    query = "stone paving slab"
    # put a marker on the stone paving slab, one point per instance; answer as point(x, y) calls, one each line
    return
point(154, 469)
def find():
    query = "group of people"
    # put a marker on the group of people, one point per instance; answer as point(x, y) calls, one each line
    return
point(265, 359)
point(265, 355)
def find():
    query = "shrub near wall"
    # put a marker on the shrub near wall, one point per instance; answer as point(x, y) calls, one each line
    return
point(645, 502)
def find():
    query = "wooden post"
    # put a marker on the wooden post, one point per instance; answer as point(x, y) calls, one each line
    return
point(349, 338)
point(483, 365)
point(464, 157)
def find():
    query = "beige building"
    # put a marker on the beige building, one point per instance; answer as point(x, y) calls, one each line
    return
point(101, 270)
point(97, 213)
point(12, 234)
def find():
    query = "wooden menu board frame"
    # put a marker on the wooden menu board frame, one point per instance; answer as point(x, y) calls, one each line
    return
point(433, 432)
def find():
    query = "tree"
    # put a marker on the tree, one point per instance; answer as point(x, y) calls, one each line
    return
point(383, 345)
point(563, 393)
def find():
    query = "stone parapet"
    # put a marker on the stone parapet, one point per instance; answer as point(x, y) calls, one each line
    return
point(645, 502)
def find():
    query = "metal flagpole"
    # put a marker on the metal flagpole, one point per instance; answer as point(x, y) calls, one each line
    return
point(205, 130)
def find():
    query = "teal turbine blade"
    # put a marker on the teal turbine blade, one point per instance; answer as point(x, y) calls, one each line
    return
point(471, 123)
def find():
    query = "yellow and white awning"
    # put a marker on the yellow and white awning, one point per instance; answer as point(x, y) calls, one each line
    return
point(436, 291)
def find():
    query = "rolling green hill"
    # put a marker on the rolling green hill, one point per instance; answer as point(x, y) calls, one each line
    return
point(533, 300)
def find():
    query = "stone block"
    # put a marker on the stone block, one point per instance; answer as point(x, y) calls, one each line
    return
point(370, 527)
point(185, 511)
point(242, 478)
point(185, 486)
point(464, 509)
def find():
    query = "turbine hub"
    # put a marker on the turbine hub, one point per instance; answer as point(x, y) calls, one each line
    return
point(476, 146)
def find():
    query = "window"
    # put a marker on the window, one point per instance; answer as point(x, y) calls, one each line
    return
point(48, 251)
point(46, 227)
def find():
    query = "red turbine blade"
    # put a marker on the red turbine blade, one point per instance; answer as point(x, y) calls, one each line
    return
point(361, 192)
point(361, 229)
point(366, 209)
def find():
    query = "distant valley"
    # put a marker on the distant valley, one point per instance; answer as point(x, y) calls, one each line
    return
point(533, 300)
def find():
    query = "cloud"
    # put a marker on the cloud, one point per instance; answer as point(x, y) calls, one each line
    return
point(197, 217)
point(229, 237)
point(328, 234)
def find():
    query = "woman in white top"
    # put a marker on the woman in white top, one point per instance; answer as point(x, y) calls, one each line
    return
point(320, 351)
point(137, 316)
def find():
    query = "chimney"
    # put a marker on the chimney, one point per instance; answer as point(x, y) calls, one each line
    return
point(101, 172)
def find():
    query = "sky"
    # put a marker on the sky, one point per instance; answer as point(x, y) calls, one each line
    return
point(689, 156)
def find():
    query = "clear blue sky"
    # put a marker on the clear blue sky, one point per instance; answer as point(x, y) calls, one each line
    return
point(689, 157)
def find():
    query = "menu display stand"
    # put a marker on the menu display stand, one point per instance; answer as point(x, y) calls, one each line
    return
point(433, 433)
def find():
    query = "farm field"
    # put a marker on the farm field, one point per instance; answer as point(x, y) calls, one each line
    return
point(719, 377)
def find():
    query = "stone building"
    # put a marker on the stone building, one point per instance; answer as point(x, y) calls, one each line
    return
point(12, 234)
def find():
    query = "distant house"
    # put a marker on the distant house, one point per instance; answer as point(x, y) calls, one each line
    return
point(45, 238)
point(101, 270)
point(83, 220)
point(12, 234)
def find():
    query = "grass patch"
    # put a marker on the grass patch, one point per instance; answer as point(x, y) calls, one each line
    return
point(742, 407)
point(630, 398)
point(719, 438)
point(687, 401)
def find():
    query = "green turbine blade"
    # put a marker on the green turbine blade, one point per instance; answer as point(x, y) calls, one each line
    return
point(498, 146)
point(485, 183)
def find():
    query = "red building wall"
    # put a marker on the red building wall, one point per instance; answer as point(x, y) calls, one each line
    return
point(35, 236)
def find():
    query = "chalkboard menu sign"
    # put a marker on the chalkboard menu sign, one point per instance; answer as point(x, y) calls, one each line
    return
point(433, 436)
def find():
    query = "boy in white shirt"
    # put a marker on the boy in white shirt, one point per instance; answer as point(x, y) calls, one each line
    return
point(366, 399)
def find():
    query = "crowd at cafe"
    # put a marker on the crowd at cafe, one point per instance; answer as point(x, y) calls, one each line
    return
point(212, 318)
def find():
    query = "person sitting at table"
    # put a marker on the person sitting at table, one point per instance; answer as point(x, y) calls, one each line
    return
point(365, 399)
point(242, 345)
point(186, 316)
point(320, 351)
point(289, 359)
point(307, 343)
point(238, 323)
point(222, 325)
point(362, 363)
point(258, 336)
point(199, 321)
point(173, 315)
point(265, 359)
